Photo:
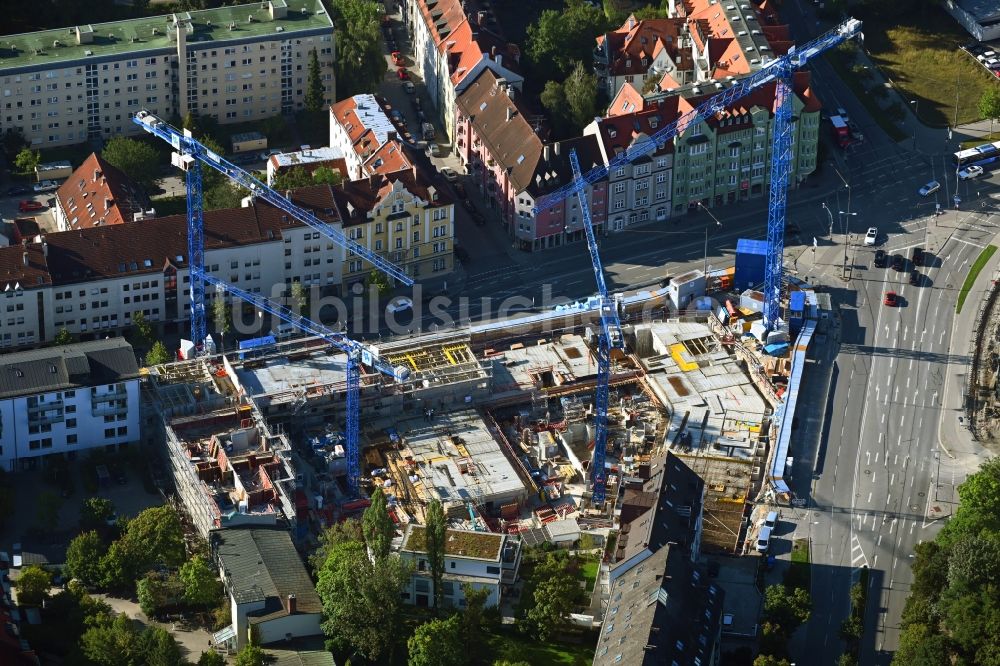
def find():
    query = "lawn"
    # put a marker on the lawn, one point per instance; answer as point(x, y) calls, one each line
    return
point(970, 279)
point(920, 52)
point(517, 648)
point(798, 574)
point(589, 569)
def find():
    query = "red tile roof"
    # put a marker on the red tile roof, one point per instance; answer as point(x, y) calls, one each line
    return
point(98, 193)
point(69, 257)
point(499, 123)
point(390, 157)
point(357, 197)
point(635, 40)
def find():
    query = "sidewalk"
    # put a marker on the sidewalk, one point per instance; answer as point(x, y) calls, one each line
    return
point(958, 453)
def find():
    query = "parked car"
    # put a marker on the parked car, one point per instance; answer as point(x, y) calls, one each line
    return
point(397, 58)
point(763, 539)
point(28, 206)
point(969, 172)
point(771, 519)
point(449, 174)
point(842, 112)
point(918, 256)
point(266, 155)
point(459, 189)
point(468, 205)
point(871, 237)
point(408, 87)
point(399, 304)
point(915, 278)
point(880, 258)
point(46, 186)
point(898, 263)
point(396, 115)
point(403, 74)
point(17, 190)
point(478, 218)
point(435, 150)
point(891, 299)
point(930, 188)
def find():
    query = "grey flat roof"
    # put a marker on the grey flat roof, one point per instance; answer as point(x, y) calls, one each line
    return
point(66, 367)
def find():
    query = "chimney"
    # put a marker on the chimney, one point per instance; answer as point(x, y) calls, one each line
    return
point(545, 152)
point(292, 604)
point(25, 256)
point(97, 174)
point(481, 18)
point(391, 136)
point(499, 58)
point(45, 247)
point(493, 52)
point(555, 147)
point(510, 113)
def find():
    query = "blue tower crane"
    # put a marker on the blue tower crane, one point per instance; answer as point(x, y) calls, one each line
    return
point(610, 337)
point(191, 154)
point(778, 71)
point(357, 355)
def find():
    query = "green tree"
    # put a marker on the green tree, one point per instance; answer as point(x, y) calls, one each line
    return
point(474, 615)
point(142, 329)
point(337, 533)
point(191, 123)
point(787, 607)
point(768, 660)
point(251, 655)
point(360, 63)
point(379, 280)
point(211, 659)
point(27, 159)
point(581, 95)
point(292, 179)
point(560, 38)
point(152, 538)
point(847, 659)
point(378, 526)
point(221, 319)
point(553, 598)
point(157, 354)
point(113, 642)
point(314, 85)
point(137, 159)
point(47, 510)
point(95, 512)
point(33, 585)
point(361, 597)
point(299, 298)
point(201, 585)
point(989, 105)
point(223, 196)
point(83, 557)
point(851, 629)
point(436, 538)
point(159, 648)
point(63, 337)
point(438, 643)
point(326, 176)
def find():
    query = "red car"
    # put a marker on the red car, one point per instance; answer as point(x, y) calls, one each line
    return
point(397, 58)
point(890, 299)
point(402, 74)
point(28, 206)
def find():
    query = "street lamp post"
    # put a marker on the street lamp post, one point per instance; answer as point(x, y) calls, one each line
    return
point(916, 117)
point(843, 228)
point(717, 224)
point(830, 213)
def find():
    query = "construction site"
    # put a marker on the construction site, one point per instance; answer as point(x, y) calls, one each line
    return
point(499, 431)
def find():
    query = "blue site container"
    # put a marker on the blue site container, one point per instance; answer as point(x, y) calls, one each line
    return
point(751, 258)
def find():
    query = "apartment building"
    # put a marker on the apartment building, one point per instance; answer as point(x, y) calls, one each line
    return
point(512, 168)
point(237, 63)
point(642, 52)
point(480, 559)
point(453, 43)
point(369, 140)
point(727, 158)
point(93, 280)
point(65, 399)
point(639, 192)
point(402, 217)
point(98, 194)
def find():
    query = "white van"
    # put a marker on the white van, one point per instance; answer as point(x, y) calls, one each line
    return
point(763, 539)
point(771, 520)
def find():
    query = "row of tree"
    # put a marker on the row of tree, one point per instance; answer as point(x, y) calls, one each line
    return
point(952, 615)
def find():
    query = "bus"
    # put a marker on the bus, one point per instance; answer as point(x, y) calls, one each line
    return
point(980, 155)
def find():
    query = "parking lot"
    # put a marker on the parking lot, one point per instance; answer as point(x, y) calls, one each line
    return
point(21, 201)
point(986, 55)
